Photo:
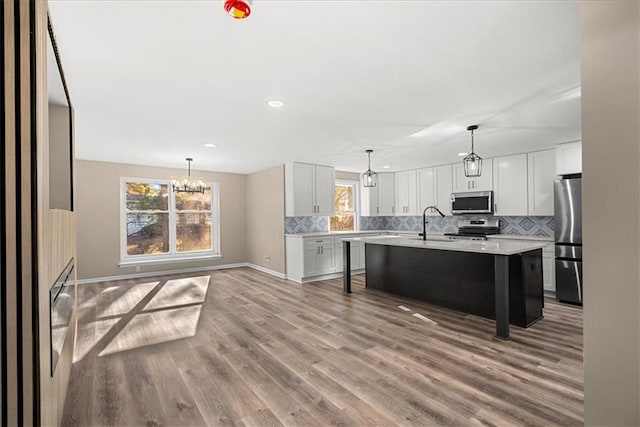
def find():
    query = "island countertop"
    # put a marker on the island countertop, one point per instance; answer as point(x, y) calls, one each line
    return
point(493, 247)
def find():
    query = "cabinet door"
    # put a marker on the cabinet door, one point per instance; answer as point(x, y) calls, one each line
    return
point(510, 185)
point(461, 183)
point(412, 193)
point(325, 187)
point(303, 189)
point(569, 158)
point(359, 249)
point(443, 188)
point(426, 189)
point(485, 181)
point(326, 260)
point(542, 173)
point(549, 273)
point(311, 261)
point(386, 194)
point(337, 254)
point(401, 192)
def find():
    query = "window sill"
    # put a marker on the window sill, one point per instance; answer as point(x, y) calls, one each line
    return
point(167, 260)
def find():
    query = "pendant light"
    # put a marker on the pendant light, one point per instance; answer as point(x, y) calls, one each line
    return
point(186, 184)
point(369, 178)
point(472, 162)
point(238, 9)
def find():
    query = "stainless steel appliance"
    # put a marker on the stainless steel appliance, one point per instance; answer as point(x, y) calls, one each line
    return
point(568, 231)
point(473, 202)
point(475, 229)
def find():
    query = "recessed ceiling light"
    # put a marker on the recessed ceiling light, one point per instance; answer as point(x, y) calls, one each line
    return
point(386, 167)
point(462, 154)
point(275, 103)
point(210, 145)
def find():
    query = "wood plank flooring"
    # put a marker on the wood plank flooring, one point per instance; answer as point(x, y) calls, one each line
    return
point(239, 347)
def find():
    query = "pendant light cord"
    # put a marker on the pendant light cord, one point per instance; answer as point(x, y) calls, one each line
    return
point(472, 149)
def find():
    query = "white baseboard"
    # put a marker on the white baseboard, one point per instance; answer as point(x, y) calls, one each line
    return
point(161, 273)
point(267, 271)
point(324, 277)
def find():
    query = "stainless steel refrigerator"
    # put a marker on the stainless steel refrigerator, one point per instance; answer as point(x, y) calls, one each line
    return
point(568, 230)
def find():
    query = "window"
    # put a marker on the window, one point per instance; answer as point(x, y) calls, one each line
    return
point(346, 202)
point(159, 224)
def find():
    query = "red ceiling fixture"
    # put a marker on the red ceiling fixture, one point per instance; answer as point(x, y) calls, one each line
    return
point(239, 9)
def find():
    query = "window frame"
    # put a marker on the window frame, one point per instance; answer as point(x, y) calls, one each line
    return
point(173, 255)
point(356, 204)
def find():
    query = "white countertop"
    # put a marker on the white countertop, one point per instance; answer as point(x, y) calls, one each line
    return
point(342, 233)
point(548, 239)
point(494, 247)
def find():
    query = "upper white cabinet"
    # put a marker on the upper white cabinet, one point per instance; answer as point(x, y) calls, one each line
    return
point(510, 185)
point(309, 190)
point(386, 194)
point(381, 198)
point(463, 184)
point(569, 158)
point(435, 186)
point(542, 173)
point(406, 193)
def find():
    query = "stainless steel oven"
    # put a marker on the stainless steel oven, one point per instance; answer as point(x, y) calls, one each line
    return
point(474, 202)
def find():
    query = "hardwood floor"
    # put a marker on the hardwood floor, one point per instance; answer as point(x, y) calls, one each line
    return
point(239, 347)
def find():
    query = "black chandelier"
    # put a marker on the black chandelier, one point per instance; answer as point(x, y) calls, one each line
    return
point(186, 184)
point(472, 162)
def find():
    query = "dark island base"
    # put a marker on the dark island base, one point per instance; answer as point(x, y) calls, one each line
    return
point(463, 281)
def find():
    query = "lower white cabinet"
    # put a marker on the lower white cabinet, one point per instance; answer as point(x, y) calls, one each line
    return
point(318, 257)
point(310, 258)
point(549, 268)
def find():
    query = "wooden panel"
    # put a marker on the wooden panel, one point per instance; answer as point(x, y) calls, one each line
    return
point(56, 246)
point(36, 242)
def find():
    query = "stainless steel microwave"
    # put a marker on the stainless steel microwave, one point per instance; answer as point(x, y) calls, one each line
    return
point(474, 202)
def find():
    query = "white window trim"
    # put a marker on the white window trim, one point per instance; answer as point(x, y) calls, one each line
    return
point(133, 260)
point(356, 200)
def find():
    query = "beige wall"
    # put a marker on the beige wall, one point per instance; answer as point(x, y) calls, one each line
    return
point(611, 211)
point(98, 201)
point(349, 176)
point(265, 219)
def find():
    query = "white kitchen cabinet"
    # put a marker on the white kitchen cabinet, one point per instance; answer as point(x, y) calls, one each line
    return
point(381, 198)
point(542, 172)
point(444, 188)
point(510, 185)
point(435, 186)
point(549, 268)
point(569, 158)
point(318, 256)
point(309, 190)
point(406, 193)
point(463, 184)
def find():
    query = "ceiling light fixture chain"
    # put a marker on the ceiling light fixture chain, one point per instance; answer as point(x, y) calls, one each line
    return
point(186, 184)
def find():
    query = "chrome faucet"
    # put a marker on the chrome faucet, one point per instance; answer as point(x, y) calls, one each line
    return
point(424, 220)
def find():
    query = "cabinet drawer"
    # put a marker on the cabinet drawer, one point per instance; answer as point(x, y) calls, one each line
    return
point(311, 243)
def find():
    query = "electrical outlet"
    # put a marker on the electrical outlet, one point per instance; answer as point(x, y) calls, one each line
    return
point(137, 269)
point(267, 258)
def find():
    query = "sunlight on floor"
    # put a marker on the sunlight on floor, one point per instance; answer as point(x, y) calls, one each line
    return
point(129, 317)
point(155, 328)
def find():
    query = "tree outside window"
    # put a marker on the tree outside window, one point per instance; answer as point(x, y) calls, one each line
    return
point(345, 218)
point(160, 222)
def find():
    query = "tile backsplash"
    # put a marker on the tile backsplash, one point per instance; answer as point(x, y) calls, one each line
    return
point(306, 224)
point(514, 225)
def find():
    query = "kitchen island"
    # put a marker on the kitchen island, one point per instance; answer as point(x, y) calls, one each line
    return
point(496, 279)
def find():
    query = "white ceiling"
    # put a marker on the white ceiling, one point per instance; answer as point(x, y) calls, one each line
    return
point(152, 81)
